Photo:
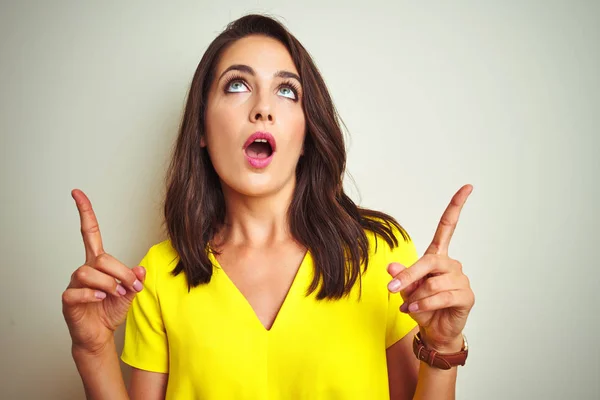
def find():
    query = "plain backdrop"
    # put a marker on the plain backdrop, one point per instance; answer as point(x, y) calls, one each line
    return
point(503, 95)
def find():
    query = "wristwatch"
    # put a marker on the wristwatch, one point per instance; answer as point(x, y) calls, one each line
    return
point(439, 360)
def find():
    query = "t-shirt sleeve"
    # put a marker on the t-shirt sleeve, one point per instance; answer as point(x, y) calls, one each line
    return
point(399, 323)
point(145, 344)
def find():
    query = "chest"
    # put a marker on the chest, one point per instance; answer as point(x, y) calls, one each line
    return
point(315, 349)
point(263, 278)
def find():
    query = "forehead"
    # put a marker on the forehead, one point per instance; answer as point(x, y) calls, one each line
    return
point(264, 54)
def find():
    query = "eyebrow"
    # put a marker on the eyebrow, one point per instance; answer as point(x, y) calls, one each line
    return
point(247, 69)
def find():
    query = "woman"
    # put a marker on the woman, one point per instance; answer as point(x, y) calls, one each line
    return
point(273, 283)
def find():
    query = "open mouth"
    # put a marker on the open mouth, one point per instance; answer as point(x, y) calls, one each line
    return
point(260, 149)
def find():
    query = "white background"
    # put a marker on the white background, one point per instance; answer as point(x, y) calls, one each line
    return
point(502, 95)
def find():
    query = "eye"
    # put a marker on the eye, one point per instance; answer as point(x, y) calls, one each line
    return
point(288, 92)
point(289, 89)
point(236, 86)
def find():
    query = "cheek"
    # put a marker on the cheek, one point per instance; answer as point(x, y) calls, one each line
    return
point(295, 125)
point(221, 126)
point(300, 133)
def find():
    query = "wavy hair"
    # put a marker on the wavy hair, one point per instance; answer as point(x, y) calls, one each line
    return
point(322, 217)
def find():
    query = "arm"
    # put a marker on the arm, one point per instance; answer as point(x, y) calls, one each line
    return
point(403, 368)
point(411, 379)
point(102, 379)
point(438, 296)
point(96, 301)
point(146, 385)
point(435, 383)
point(100, 373)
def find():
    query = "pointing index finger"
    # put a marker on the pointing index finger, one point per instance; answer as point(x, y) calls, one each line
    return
point(90, 230)
point(447, 225)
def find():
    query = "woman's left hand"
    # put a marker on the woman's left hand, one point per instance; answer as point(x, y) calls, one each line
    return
point(436, 292)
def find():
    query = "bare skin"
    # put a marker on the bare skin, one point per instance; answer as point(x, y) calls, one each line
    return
point(255, 234)
point(263, 274)
point(94, 305)
point(259, 254)
point(438, 296)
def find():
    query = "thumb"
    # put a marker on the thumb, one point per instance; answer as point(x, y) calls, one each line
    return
point(395, 268)
point(140, 274)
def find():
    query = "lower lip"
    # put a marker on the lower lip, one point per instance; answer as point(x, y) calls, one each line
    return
point(259, 162)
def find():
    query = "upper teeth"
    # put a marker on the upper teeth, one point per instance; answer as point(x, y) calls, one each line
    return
point(261, 140)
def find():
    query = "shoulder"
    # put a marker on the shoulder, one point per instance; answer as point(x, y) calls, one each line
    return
point(161, 252)
point(160, 257)
point(381, 253)
point(375, 278)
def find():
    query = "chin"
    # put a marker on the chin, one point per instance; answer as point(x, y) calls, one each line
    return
point(255, 185)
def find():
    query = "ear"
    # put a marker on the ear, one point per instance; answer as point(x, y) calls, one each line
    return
point(203, 141)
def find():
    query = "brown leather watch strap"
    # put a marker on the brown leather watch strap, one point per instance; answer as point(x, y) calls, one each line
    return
point(439, 360)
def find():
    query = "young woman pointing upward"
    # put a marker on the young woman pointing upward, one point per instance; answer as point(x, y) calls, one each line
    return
point(273, 284)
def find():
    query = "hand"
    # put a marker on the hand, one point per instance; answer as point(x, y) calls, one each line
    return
point(436, 292)
point(95, 303)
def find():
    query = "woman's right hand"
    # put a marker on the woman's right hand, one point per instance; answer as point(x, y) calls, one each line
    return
point(95, 303)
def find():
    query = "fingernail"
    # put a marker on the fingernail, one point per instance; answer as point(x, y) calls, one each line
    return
point(121, 290)
point(413, 307)
point(137, 285)
point(404, 307)
point(100, 295)
point(394, 285)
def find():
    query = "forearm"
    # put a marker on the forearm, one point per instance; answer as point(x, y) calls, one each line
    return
point(101, 374)
point(435, 383)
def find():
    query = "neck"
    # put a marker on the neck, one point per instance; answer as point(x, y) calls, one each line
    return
point(256, 221)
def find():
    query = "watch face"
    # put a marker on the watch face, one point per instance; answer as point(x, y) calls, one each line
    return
point(466, 346)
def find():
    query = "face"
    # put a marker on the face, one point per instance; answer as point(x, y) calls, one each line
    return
point(254, 119)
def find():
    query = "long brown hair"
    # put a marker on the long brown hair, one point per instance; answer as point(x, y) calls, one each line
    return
point(322, 217)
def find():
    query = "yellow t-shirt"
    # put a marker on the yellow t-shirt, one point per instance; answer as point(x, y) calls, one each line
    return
point(213, 346)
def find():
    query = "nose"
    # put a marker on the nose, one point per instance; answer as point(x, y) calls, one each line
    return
point(262, 110)
point(259, 117)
